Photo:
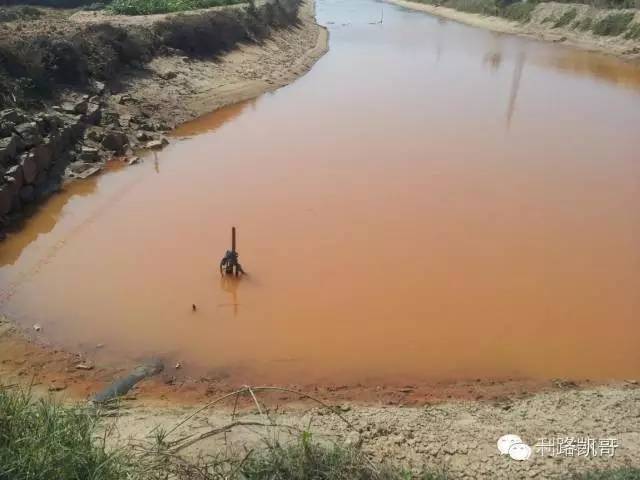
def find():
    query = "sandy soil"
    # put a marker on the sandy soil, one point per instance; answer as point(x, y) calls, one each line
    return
point(176, 88)
point(538, 28)
point(458, 437)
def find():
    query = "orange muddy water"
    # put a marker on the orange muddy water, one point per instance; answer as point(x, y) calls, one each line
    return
point(430, 201)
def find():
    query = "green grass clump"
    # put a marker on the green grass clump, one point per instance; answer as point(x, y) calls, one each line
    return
point(483, 7)
point(148, 7)
point(519, 11)
point(633, 33)
point(613, 24)
point(566, 18)
point(41, 440)
point(584, 24)
point(308, 460)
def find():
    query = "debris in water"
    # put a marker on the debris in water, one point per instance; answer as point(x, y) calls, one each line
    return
point(178, 365)
point(89, 171)
point(37, 327)
point(122, 386)
point(85, 366)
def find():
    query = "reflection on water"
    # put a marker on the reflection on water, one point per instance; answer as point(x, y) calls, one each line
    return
point(593, 65)
point(230, 284)
point(493, 59)
point(43, 221)
point(210, 123)
point(515, 86)
point(394, 227)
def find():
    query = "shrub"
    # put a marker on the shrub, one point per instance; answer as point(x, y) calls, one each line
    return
point(633, 33)
point(566, 18)
point(584, 24)
point(147, 7)
point(51, 3)
point(202, 35)
point(519, 11)
point(484, 7)
point(108, 49)
point(431, 2)
point(619, 4)
point(613, 24)
point(20, 13)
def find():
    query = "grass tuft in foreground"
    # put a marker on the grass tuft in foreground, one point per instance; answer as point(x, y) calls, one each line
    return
point(41, 440)
point(307, 460)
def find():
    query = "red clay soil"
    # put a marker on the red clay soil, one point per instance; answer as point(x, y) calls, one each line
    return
point(25, 362)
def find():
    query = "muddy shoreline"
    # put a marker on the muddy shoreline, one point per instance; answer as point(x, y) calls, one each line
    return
point(449, 426)
point(26, 359)
point(539, 27)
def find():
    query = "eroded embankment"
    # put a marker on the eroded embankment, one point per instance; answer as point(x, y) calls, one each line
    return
point(76, 91)
point(611, 31)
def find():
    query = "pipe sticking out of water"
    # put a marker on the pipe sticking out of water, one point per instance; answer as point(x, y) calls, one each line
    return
point(233, 239)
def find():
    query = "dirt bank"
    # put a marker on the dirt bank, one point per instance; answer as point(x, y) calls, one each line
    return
point(458, 437)
point(93, 87)
point(550, 21)
point(178, 88)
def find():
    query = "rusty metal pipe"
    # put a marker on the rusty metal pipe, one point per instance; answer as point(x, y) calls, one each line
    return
point(233, 239)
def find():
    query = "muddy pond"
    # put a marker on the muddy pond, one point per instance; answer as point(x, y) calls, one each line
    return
point(430, 201)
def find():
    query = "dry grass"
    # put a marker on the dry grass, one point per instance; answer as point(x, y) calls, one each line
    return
point(41, 439)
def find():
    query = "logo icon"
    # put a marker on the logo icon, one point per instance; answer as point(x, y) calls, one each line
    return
point(513, 446)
